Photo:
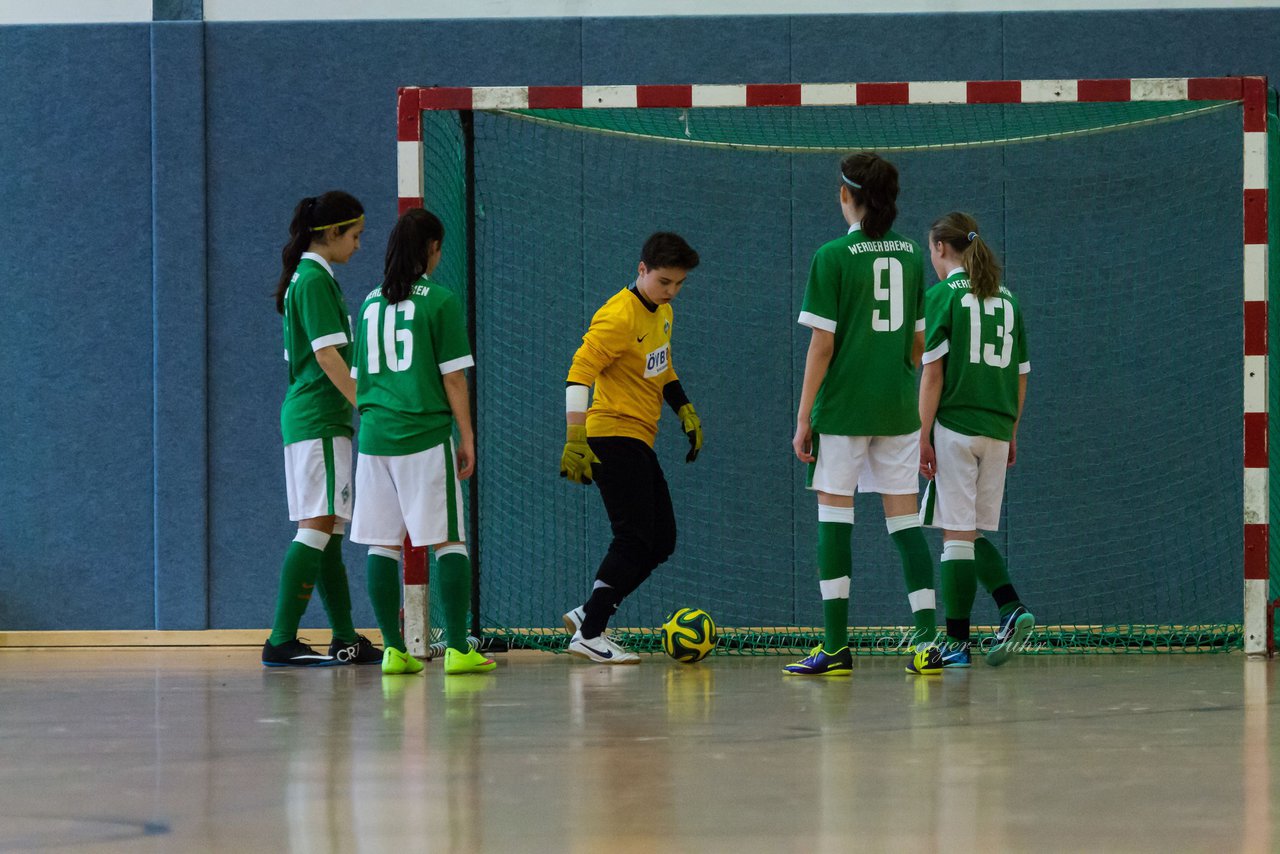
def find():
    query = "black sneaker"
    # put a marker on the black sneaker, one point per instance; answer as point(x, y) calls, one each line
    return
point(294, 653)
point(362, 651)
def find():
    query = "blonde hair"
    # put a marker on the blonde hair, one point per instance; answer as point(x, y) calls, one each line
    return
point(960, 231)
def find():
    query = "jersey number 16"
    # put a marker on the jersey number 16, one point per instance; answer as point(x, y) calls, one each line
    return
point(397, 343)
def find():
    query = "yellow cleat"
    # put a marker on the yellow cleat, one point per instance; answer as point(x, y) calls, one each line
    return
point(926, 662)
point(466, 662)
point(395, 662)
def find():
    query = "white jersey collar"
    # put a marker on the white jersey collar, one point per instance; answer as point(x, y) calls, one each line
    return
point(857, 226)
point(311, 256)
point(957, 270)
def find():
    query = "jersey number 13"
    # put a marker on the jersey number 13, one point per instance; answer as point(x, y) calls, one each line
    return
point(978, 352)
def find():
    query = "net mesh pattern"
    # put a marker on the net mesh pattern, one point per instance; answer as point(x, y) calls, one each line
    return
point(1119, 231)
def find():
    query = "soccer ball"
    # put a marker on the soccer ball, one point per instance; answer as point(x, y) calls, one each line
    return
point(689, 635)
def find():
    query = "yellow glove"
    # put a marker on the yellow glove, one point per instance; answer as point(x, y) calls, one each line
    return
point(575, 462)
point(691, 424)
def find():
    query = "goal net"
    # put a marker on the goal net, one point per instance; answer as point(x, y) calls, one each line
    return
point(1134, 511)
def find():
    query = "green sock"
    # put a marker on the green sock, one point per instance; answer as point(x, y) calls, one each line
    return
point(335, 595)
point(383, 576)
point(994, 576)
point(835, 562)
point(959, 583)
point(454, 571)
point(297, 578)
point(917, 571)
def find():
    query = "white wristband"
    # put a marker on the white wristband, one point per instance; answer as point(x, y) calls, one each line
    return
point(575, 398)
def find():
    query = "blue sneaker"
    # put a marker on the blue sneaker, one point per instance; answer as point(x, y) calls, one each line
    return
point(822, 663)
point(1014, 629)
point(955, 655)
point(927, 661)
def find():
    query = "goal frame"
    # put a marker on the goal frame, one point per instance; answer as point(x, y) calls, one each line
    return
point(1249, 91)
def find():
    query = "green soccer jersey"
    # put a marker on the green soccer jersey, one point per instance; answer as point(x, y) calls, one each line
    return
point(870, 295)
point(986, 348)
point(402, 352)
point(315, 317)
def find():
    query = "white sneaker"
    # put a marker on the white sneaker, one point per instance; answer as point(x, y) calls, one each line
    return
point(601, 650)
point(573, 620)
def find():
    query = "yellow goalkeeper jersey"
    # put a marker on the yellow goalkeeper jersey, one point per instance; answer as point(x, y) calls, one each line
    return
point(626, 355)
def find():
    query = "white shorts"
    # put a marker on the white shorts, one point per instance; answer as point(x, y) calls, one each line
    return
point(317, 478)
point(418, 494)
point(889, 465)
point(969, 484)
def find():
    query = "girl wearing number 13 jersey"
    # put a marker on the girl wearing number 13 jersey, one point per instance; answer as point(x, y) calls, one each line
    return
point(409, 361)
point(971, 398)
point(858, 422)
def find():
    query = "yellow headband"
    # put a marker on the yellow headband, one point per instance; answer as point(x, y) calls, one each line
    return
point(338, 224)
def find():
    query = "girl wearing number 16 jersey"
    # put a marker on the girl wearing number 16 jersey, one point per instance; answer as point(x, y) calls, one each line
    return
point(410, 357)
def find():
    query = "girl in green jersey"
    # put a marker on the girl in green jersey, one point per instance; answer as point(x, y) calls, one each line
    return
point(858, 421)
point(315, 421)
point(410, 361)
point(971, 399)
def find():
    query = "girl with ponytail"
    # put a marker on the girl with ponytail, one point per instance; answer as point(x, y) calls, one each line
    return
point(410, 361)
point(858, 423)
point(971, 398)
point(315, 421)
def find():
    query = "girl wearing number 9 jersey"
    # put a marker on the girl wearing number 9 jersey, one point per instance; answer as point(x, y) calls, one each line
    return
point(858, 420)
point(410, 356)
point(971, 399)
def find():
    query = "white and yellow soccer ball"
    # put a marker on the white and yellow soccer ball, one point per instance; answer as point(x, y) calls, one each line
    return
point(689, 635)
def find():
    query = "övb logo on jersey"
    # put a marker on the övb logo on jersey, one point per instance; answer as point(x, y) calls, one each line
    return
point(656, 362)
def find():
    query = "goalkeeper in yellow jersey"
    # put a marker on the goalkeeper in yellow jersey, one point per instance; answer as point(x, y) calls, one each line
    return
point(626, 356)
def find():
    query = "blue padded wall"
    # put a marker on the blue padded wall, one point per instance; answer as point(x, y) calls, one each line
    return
point(75, 293)
point(181, 443)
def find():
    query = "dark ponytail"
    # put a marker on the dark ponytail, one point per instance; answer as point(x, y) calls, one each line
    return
point(310, 219)
point(960, 231)
point(408, 248)
point(873, 183)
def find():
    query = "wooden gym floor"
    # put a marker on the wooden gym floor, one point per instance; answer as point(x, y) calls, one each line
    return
point(194, 750)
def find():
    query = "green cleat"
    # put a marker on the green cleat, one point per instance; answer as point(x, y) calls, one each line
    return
point(1012, 635)
point(470, 661)
point(395, 662)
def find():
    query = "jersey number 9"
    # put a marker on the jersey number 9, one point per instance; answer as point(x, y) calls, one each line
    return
point(887, 288)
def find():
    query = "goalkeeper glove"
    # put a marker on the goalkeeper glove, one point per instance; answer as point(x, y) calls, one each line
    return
point(691, 424)
point(575, 462)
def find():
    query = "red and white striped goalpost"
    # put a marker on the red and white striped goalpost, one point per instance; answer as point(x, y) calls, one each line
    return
point(1250, 91)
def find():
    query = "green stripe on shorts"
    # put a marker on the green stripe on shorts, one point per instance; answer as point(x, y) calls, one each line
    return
point(451, 493)
point(327, 444)
point(813, 466)
point(929, 505)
